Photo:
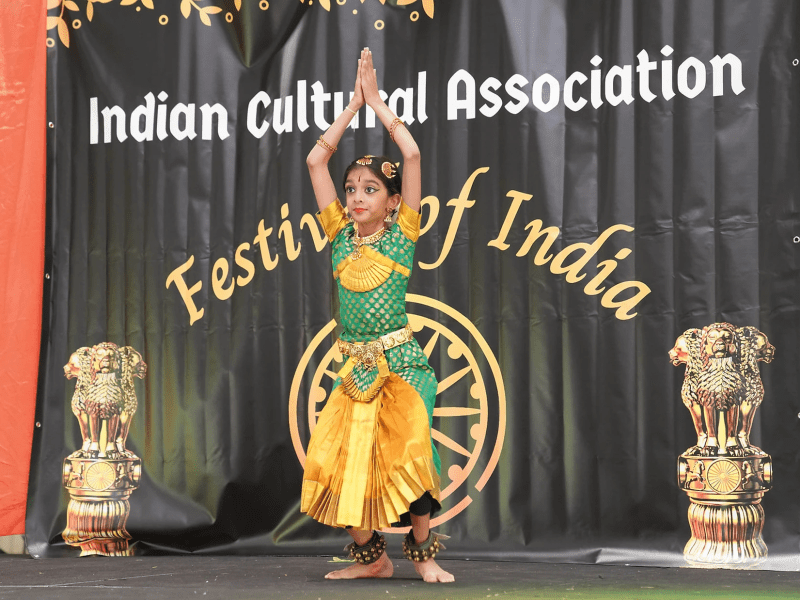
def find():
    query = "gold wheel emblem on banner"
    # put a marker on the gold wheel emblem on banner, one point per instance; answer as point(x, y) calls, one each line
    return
point(470, 414)
point(100, 476)
point(724, 476)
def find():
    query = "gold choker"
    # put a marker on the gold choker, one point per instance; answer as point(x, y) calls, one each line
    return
point(360, 241)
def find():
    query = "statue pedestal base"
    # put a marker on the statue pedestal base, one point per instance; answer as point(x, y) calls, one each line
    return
point(727, 536)
point(725, 514)
point(98, 509)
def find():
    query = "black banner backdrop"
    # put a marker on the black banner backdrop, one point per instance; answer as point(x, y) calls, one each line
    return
point(600, 176)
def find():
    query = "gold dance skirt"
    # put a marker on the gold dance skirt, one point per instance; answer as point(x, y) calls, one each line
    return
point(367, 461)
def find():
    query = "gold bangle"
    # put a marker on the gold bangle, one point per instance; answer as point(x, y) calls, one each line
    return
point(326, 145)
point(351, 110)
point(393, 125)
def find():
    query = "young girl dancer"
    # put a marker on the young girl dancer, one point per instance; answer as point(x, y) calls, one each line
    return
point(370, 462)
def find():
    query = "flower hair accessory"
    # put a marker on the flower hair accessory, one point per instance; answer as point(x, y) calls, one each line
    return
point(365, 160)
point(388, 169)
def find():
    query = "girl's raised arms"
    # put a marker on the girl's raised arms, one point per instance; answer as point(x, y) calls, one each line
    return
point(366, 91)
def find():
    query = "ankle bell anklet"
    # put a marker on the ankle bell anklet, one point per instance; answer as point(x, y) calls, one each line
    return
point(369, 552)
point(423, 551)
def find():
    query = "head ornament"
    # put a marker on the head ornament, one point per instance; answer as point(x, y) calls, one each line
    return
point(388, 169)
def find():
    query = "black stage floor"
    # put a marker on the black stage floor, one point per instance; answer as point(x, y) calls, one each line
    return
point(302, 578)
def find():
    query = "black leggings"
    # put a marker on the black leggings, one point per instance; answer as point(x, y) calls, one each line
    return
point(422, 505)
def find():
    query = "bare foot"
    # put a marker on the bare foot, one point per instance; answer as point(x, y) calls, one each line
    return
point(381, 568)
point(433, 573)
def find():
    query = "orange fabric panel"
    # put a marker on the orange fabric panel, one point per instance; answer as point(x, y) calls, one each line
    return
point(22, 221)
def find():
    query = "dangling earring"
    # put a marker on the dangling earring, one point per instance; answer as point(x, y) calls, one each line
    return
point(388, 217)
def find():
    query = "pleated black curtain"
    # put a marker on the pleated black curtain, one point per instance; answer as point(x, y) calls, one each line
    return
point(542, 125)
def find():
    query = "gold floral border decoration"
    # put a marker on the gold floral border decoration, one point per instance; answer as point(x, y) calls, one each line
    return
point(427, 5)
point(62, 24)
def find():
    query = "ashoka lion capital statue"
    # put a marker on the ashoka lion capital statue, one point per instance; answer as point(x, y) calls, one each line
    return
point(103, 473)
point(724, 475)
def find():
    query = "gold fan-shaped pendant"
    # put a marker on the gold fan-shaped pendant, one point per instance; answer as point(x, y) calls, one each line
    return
point(364, 274)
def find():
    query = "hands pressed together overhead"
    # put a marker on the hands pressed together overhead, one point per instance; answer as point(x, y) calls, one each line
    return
point(365, 92)
point(366, 88)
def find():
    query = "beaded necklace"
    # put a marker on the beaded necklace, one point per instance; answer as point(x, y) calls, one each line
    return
point(360, 241)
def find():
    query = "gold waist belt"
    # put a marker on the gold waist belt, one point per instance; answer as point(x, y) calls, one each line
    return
point(368, 353)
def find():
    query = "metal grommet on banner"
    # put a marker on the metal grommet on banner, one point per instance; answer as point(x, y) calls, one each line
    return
point(264, 5)
point(379, 24)
point(76, 24)
point(47, 275)
point(796, 239)
point(38, 424)
point(163, 19)
point(229, 17)
point(414, 15)
point(796, 62)
point(51, 125)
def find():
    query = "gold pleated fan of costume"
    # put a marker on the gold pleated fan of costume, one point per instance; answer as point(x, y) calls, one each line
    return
point(364, 274)
point(352, 390)
point(368, 461)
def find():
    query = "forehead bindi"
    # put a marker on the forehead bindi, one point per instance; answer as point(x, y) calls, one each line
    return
point(362, 175)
